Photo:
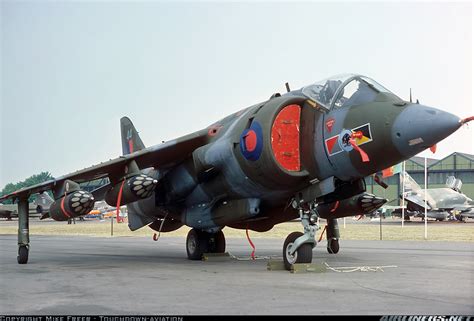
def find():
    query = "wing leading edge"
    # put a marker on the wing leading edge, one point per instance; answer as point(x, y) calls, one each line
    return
point(158, 156)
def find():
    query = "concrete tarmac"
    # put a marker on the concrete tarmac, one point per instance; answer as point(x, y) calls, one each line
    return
point(134, 275)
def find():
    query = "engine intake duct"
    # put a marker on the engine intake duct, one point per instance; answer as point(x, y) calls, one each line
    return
point(360, 204)
point(135, 188)
point(71, 205)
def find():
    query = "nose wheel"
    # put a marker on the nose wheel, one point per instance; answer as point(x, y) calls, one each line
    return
point(304, 253)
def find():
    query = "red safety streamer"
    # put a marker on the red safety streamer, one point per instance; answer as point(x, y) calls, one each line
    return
point(354, 136)
point(119, 200)
point(155, 237)
point(251, 244)
point(336, 205)
point(363, 155)
point(433, 148)
point(466, 120)
point(322, 233)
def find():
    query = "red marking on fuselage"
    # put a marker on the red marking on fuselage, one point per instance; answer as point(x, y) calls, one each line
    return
point(286, 138)
point(330, 143)
point(329, 124)
point(250, 141)
point(214, 130)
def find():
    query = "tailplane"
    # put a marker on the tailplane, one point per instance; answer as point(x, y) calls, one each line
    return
point(131, 141)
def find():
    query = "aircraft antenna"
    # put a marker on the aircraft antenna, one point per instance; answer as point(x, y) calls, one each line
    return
point(287, 85)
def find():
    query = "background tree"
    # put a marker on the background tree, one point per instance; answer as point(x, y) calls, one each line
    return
point(30, 181)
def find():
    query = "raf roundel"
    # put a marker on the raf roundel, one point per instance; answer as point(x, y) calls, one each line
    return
point(251, 142)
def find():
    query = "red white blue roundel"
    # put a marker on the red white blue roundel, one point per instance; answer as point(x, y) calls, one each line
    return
point(251, 142)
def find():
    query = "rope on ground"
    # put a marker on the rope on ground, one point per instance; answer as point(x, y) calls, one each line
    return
point(256, 257)
point(359, 268)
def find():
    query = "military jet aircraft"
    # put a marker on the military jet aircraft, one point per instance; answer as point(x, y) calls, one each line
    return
point(301, 154)
point(441, 203)
point(41, 204)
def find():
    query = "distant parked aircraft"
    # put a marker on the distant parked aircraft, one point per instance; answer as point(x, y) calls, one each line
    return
point(442, 203)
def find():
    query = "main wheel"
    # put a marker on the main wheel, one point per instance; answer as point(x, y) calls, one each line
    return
point(217, 243)
point(22, 257)
point(196, 244)
point(304, 254)
point(333, 246)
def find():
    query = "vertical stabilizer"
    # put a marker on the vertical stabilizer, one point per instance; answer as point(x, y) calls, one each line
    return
point(131, 141)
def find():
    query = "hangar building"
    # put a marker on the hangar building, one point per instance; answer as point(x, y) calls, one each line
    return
point(460, 165)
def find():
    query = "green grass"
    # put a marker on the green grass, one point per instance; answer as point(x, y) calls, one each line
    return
point(411, 232)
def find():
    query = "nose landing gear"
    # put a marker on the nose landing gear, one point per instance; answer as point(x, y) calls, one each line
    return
point(298, 247)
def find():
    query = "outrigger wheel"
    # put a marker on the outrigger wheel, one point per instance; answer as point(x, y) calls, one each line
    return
point(304, 254)
point(333, 246)
point(200, 242)
point(22, 257)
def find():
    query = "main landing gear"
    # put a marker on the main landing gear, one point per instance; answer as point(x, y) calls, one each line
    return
point(199, 242)
point(23, 231)
point(298, 247)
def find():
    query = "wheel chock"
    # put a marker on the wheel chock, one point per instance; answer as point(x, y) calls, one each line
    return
point(308, 267)
point(216, 256)
point(274, 265)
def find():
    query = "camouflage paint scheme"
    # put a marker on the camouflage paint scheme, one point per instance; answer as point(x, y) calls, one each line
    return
point(240, 171)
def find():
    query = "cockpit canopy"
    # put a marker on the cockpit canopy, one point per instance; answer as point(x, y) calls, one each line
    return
point(344, 91)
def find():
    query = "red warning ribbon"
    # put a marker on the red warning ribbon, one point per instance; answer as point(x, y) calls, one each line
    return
point(119, 200)
point(251, 244)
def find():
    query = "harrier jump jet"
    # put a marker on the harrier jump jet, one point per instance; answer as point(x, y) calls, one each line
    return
point(301, 154)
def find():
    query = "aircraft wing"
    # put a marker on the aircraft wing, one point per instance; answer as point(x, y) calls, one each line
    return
point(159, 156)
point(462, 208)
point(416, 199)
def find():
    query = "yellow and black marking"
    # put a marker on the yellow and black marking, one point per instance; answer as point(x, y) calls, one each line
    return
point(367, 134)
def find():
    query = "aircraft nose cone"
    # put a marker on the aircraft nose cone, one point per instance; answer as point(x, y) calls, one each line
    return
point(419, 127)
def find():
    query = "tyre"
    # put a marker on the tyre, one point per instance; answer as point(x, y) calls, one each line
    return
point(304, 254)
point(22, 257)
point(333, 246)
point(217, 243)
point(196, 244)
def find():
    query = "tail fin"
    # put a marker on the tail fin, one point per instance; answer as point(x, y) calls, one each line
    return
point(131, 142)
point(410, 184)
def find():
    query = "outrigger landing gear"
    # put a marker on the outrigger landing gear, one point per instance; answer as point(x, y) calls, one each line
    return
point(298, 247)
point(200, 242)
point(332, 234)
point(23, 231)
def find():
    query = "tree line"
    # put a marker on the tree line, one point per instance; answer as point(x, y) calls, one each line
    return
point(30, 181)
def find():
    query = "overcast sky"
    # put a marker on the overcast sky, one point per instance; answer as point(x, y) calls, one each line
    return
point(71, 70)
